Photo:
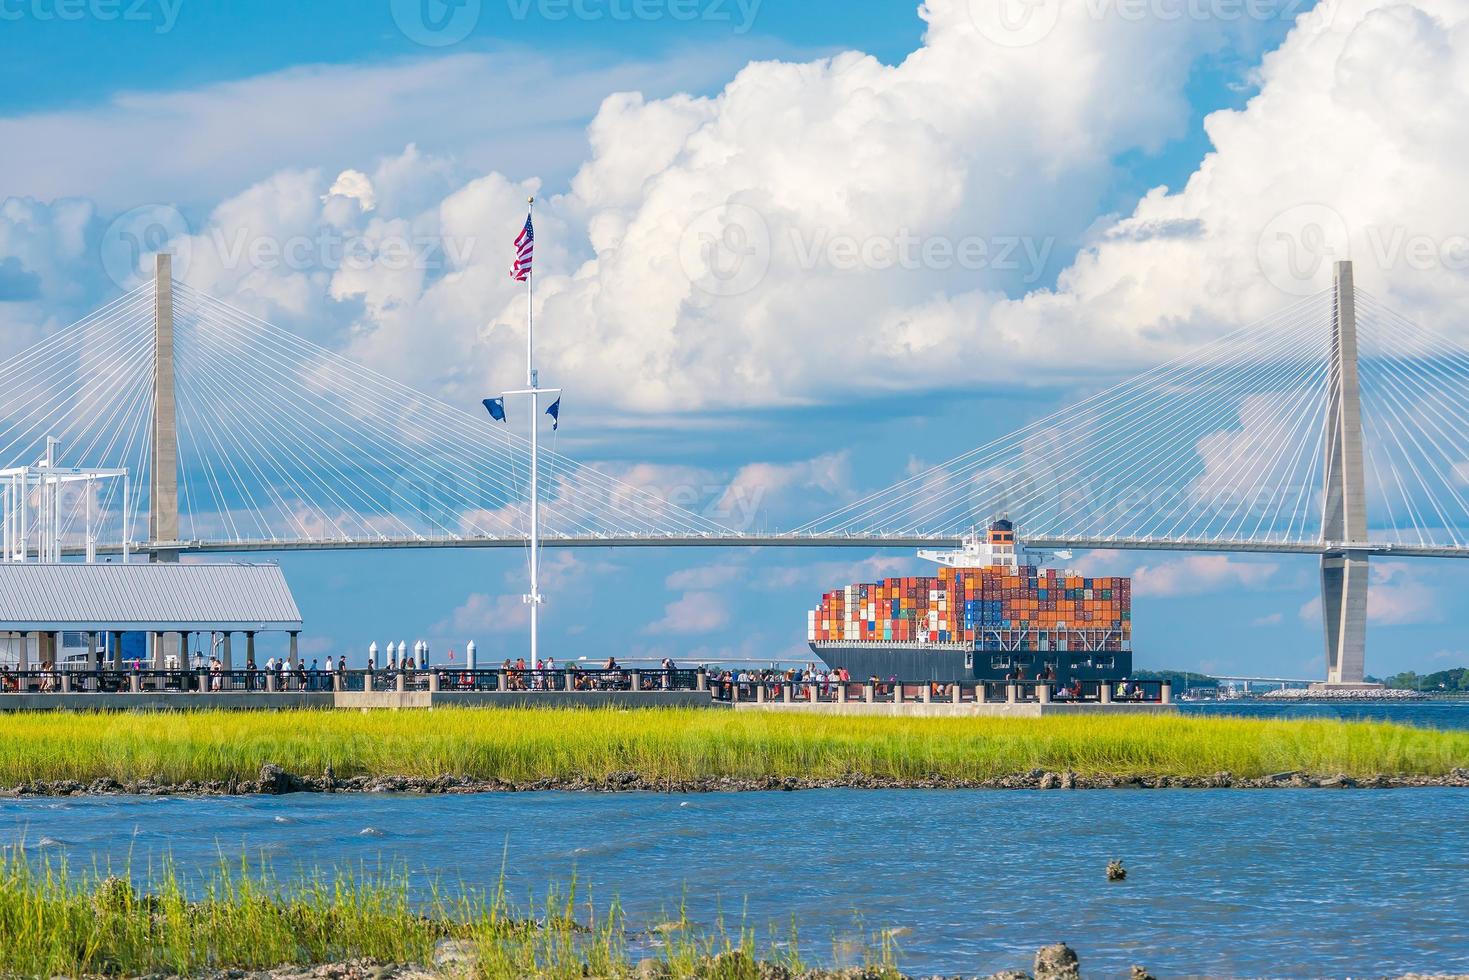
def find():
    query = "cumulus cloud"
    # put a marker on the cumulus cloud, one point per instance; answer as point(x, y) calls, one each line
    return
point(507, 612)
point(693, 612)
point(482, 613)
point(1199, 575)
point(966, 149)
point(353, 185)
point(821, 229)
point(1186, 576)
point(778, 488)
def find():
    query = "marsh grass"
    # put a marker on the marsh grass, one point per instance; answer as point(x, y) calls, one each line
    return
point(675, 746)
point(58, 922)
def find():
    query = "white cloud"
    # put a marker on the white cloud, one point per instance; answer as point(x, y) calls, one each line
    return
point(482, 613)
point(1199, 575)
point(963, 139)
point(561, 572)
point(771, 489)
point(1273, 619)
point(356, 186)
point(224, 136)
point(693, 612)
point(819, 577)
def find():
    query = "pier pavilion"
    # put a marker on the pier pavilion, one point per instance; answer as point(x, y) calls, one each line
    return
point(40, 602)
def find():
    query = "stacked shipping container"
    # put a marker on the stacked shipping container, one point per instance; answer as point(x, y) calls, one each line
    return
point(992, 608)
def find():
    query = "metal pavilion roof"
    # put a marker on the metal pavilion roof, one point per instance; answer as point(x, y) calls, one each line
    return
point(163, 597)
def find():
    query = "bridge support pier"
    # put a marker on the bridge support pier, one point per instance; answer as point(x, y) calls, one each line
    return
point(1344, 608)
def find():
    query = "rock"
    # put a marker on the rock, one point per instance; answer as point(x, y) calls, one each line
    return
point(454, 954)
point(1068, 780)
point(275, 780)
point(1138, 973)
point(1009, 975)
point(730, 963)
point(1050, 781)
point(652, 969)
point(1281, 777)
point(1341, 781)
point(1115, 872)
point(1056, 962)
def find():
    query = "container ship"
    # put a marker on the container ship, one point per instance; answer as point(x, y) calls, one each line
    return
point(990, 613)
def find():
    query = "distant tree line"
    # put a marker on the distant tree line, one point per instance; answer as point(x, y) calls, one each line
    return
point(1182, 679)
point(1453, 679)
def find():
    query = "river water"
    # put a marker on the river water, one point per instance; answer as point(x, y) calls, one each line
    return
point(1221, 882)
point(1446, 713)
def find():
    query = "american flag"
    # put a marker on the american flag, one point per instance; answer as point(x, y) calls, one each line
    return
point(525, 248)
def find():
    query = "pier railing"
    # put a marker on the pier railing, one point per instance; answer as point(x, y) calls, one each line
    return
point(262, 681)
point(767, 690)
point(721, 688)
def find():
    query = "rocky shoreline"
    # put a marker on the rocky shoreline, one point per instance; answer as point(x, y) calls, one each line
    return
point(272, 780)
point(1055, 962)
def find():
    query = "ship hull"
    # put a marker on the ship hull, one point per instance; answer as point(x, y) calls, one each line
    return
point(925, 662)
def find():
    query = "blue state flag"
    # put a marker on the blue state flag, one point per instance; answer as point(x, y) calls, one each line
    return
point(555, 412)
point(496, 408)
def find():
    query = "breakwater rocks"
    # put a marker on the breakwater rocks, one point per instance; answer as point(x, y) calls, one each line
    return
point(273, 780)
point(1344, 694)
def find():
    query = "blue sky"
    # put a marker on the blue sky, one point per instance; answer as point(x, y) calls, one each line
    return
point(520, 91)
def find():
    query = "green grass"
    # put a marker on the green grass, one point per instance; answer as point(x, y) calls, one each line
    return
point(676, 745)
point(60, 923)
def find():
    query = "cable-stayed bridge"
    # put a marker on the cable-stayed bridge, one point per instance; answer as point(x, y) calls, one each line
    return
point(1334, 428)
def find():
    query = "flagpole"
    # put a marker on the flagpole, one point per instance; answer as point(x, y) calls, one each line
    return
point(535, 499)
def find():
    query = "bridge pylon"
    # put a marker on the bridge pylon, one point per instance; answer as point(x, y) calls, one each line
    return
point(1344, 571)
point(163, 498)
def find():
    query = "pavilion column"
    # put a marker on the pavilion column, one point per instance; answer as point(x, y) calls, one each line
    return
point(295, 658)
point(117, 649)
point(91, 649)
point(226, 655)
point(23, 658)
point(157, 636)
point(250, 648)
